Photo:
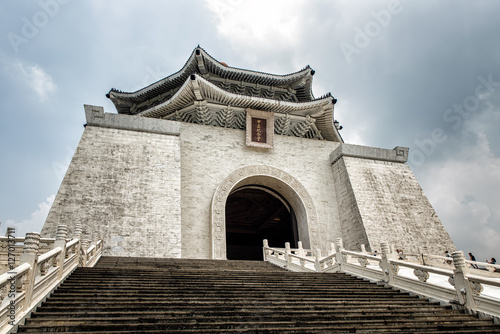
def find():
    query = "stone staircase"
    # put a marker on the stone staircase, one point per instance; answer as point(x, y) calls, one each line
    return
point(147, 295)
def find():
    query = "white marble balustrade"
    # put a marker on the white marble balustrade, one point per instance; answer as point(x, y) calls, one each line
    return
point(449, 280)
point(33, 275)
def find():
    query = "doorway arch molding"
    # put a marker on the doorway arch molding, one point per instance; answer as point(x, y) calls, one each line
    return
point(278, 180)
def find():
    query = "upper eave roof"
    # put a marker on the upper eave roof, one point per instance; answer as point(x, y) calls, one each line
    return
point(196, 88)
point(201, 62)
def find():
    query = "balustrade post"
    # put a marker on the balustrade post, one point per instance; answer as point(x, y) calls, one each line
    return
point(422, 250)
point(317, 258)
point(301, 248)
point(461, 282)
point(386, 265)
point(29, 255)
point(332, 248)
point(85, 245)
point(10, 231)
point(265, 245)
point(288, 251)
point(77, 234)
point(61, 234)
point(363, 248)
point(30, 248)
point(339, 257)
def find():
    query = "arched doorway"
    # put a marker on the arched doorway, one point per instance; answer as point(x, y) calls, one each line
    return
point(269, 178)
point(254, 213)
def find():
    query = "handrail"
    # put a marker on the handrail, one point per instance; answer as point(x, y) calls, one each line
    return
point(484, 280)
point(327, 258)
point(21, 239)
point(5, 277)
point(90, 249)
point(72, 243)
point(434, 270)
point(51, 253)
point(299, 257)
point(489, 266)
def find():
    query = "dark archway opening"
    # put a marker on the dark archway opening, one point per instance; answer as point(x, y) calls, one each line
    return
point(254, 213)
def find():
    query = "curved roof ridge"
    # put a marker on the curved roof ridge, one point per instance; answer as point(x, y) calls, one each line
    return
point(192, 63)
point(307, 67)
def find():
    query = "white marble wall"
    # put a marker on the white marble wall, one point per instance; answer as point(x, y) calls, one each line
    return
point(123, 186)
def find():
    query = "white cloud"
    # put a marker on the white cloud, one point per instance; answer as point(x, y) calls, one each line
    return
point(36, 220)
point(259, 24)
point(356, 127)
point(464, 192)
point(31, 75)
point(36, 78)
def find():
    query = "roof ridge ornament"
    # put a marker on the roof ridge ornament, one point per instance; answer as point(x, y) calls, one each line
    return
point(201, 63)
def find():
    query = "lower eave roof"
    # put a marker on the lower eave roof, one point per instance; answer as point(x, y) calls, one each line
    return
point(196, 88)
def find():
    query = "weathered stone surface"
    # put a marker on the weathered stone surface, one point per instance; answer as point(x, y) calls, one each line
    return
point(125, 186)
point(351, 222)
point(385, 201)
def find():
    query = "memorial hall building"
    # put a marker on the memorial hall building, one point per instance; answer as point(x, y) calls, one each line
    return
point(211, 160)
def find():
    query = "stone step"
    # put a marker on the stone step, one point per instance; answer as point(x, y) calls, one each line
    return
point(181, 287)
point(232, 290)
point(212, 276)
point(184, 264)
point(253, 316)
point(224, 305)
point(221, 281)
point(310, 330)
point(210, 311)
point(223, 301)
point(290, 280)
point(167, 275)
point(250, 297)
point(367, 326)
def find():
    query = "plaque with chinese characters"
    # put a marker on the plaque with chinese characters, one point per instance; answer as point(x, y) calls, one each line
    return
point(260, 128)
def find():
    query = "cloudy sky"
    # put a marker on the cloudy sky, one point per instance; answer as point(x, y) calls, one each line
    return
point(422, 74)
